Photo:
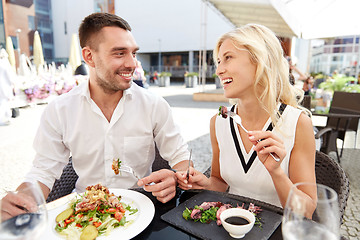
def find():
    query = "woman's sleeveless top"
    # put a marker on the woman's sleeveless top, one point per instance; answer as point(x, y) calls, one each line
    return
point(248, 177)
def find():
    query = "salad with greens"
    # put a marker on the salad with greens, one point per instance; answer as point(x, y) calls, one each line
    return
point(211, 211)
point(96, 212)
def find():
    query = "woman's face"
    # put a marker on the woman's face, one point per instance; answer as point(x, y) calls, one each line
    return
point(236, 70)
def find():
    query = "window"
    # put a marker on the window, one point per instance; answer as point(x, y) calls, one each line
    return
point(31, 22)
point(47, 37)
point(48, 53)
point(2, 27)
point(14, 41)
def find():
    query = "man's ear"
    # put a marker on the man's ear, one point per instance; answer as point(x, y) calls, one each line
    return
point(87, 56)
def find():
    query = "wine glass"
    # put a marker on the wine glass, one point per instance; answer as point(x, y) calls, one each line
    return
point(29, 214)
point(301, 223)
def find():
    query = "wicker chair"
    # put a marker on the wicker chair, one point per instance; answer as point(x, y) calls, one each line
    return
point(66, 184)
point(328, 172)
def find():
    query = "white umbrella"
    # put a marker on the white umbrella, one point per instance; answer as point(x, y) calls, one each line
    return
point(311, 19)
point(10, 52)
point(38, 51)
point(74, 58)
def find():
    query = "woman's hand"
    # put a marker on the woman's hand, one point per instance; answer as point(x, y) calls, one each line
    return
point(265, 143)
point(197, 180)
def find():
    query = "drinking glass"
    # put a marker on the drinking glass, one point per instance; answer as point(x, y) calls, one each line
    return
point(30, 216)
point(299, 222)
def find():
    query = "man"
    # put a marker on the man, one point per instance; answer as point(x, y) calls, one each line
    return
point(108, 118)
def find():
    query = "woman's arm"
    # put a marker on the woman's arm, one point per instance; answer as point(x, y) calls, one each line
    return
point(301, 163)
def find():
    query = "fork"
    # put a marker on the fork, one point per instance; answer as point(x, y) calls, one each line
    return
point(188, 170)
point(237, 119)
point(125, 168)
point(128, 169)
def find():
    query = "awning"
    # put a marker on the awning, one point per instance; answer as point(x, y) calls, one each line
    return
point(308, 19)
point(241, 12)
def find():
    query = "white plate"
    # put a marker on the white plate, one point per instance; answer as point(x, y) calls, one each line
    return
point(142, 218)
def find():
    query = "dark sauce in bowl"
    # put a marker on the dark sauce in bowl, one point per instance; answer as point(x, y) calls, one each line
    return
point(237, 220)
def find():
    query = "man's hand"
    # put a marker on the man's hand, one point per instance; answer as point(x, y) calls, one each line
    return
point(16, 204)
point(161, 183)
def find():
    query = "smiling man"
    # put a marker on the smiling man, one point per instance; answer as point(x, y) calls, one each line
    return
point(106, 118)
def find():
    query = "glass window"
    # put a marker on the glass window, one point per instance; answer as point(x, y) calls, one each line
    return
point(48, 53)
point(348, 40)
point(48, 38)
point(31, 22)
point(2, 27)
point(14, 41)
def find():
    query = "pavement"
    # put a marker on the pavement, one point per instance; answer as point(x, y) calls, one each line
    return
point(193, 118)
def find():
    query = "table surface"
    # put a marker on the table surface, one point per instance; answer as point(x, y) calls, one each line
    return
point(159, 229)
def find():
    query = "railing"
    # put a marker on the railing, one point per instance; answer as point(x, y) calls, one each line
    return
point(179, 71)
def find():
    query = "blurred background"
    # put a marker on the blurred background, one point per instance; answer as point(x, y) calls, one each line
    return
point(321, 36)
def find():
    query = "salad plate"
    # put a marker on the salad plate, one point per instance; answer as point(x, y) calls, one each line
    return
point(270, 217)
point(136, 222)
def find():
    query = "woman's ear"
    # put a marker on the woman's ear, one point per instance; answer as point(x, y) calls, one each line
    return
point(88, 56)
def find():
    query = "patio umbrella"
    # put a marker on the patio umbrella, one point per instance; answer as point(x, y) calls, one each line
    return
point(10, 52)
point(38, 51)
point(74, 58)
point(313, 19)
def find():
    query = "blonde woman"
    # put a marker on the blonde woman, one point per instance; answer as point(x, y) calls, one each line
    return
point(254, 73)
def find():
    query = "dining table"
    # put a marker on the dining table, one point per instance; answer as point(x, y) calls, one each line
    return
point(161, 229)
point(168, 223)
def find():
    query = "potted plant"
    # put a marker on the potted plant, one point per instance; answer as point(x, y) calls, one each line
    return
point(328, 87)
point(191, 79)
point(164, 79)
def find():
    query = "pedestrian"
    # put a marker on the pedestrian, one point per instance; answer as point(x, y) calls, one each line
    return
point(139, 74)
point(156, 77)
point(308, 85)
point(293, 69)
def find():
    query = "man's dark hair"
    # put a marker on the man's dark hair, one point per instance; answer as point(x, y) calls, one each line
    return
point(93, 23)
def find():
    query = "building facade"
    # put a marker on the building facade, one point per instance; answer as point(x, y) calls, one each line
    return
point(172, 35)
point(67, 15)
point(55, 21)
point(339, 54)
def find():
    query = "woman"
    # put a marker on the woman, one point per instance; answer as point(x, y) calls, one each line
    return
point(253, 70)
point(308, 84)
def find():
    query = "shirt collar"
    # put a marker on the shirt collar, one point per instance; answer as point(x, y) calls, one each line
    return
point(85, 91)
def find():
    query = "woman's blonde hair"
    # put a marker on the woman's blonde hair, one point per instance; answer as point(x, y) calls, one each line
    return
point(272, 71)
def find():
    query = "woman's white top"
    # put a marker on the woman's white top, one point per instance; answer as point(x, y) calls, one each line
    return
point(251, 179)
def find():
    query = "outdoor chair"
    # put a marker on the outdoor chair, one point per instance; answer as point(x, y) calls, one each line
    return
point(343, 116)
point(66, 183)
point(328, 172)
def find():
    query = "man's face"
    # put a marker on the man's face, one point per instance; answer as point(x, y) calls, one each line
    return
point(114, 59)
